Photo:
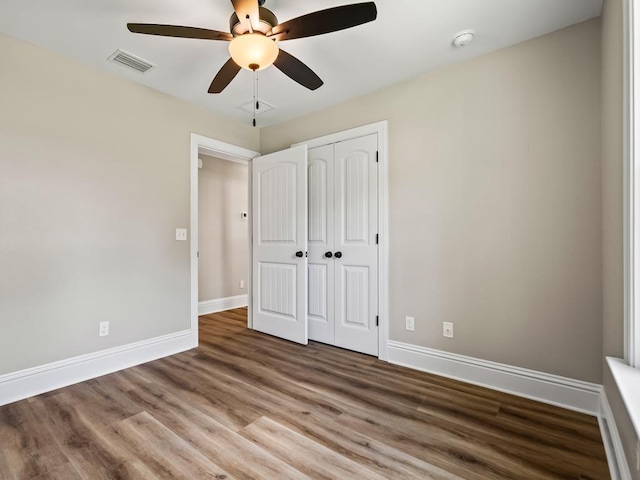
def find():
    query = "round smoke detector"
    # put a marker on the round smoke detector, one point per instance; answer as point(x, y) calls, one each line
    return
point(464, 38)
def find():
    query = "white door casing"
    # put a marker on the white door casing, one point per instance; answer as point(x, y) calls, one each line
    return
point(279, 201)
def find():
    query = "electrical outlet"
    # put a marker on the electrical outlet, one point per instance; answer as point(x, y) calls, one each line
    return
point(447, 329)
point(181, 234)
point(241, 283)
point(104, 329)
point(410, 323)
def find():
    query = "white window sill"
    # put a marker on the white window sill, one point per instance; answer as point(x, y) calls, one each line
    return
point(628, 380)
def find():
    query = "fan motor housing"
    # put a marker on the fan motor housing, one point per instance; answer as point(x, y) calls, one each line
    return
point(267, 21)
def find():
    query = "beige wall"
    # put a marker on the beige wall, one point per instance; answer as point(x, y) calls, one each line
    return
point(612, 194)
point(223, 235)
point(495, 205)
point(94, 179)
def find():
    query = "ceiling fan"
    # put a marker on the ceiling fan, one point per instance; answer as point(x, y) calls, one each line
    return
point(255, 31)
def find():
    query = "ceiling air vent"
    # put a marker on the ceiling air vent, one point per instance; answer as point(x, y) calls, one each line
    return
point(131, 61)
point(264, 107)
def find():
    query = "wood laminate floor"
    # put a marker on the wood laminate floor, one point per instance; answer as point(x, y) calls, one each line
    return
point(249, 406)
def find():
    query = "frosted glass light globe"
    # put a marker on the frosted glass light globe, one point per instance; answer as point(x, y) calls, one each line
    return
point(253, 51)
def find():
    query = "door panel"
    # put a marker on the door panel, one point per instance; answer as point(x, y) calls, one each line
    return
point(318, 306)
point(279, 186)
point(354, 198)
point(319, 194)
point(356, 226)
point(278, 288)
point(356, 287)
point(277, 204)
point(321, 233)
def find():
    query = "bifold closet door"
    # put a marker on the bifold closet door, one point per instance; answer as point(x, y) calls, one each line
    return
point(356, 249)
point(279, 265)
point(321, 264)
point(343, 251)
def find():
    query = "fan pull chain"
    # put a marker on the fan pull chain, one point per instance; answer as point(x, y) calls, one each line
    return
point(255, 95)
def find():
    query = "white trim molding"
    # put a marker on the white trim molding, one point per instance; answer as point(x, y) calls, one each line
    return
point(616, 458)
point(631, 138)
point(221, 304)
point(34, 381)
point(563, 392)
point(627, 380)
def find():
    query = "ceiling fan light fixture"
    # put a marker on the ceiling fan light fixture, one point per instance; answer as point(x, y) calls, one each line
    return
point(254, 33)
point(253, 51)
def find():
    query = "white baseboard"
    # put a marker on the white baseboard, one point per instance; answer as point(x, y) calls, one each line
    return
point(616, 458)
point(553, 389)
point(34, 381)
point(221, 304)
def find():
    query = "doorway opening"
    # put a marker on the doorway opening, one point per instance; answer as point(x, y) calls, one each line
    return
point(205, 148)
point(223, 243)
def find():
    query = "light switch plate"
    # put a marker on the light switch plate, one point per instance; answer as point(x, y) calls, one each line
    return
point(181, 234)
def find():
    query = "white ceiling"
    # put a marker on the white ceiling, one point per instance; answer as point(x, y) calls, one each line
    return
point(409, 37)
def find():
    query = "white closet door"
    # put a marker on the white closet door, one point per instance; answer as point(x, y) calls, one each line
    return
point(279, 189)
point(320, 240)
point(356, 251)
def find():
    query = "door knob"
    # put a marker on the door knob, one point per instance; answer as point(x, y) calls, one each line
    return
point(328, 254)
point(338, 254)
point(299, 254)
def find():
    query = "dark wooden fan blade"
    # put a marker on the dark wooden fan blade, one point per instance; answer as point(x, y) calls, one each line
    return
point(326, 21)
point(297, 71)
point(247, 8)
point(223, 78)
point(178, 31)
